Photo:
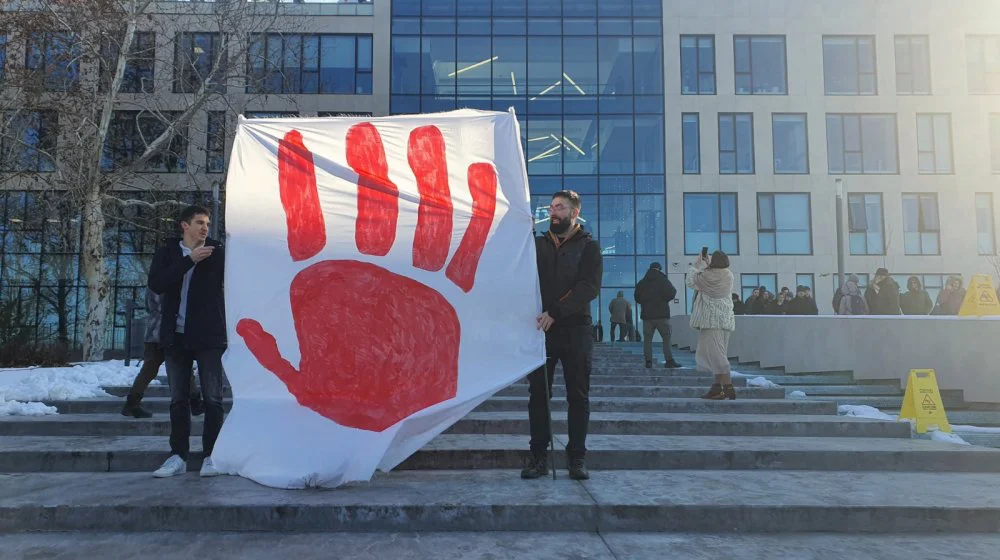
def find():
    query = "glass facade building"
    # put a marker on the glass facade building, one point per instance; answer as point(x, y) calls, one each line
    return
point(586, 82)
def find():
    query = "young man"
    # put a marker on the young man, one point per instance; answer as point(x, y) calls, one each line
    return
point(189, 273)
point(569, 272)
point(654, 293)
point(803, 303)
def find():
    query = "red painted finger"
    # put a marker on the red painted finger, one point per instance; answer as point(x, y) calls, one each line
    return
point(432, 239)
point(483, 185)
point(264, 347)
point(378, 197)
point(300, 198)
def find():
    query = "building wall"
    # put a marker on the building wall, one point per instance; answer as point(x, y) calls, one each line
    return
point(804, 23)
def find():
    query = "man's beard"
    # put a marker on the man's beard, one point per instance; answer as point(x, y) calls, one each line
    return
point(558, 228)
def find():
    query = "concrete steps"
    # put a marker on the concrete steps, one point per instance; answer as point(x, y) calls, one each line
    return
point(26, 454)
point(679, 469)
point(500, 544)
point(491, 500)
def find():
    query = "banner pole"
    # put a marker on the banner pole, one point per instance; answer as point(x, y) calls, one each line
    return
point(548, 418)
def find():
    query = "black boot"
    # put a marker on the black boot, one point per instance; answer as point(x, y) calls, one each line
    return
point(649, 364)
point(715, 393)
point(577, 469)
point(672, 364)
point(197, 405)
point(538, 466)
point(132, 407)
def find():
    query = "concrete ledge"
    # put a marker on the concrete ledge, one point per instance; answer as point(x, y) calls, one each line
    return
point(962, 350)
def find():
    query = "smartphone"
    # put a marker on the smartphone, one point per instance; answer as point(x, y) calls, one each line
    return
point(704, 252)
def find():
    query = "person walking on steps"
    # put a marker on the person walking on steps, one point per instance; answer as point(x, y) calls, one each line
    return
point(189, 274)
point(620, 309)
point(654, 293)
point(713, 318)
point(569, 274)
point(152, 359)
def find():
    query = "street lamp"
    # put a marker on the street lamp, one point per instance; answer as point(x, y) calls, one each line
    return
point(840, 230)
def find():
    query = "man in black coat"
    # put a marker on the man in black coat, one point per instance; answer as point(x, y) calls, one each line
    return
point(188, 273)
point(654, 293)
point(803, 303)
point(569, 273)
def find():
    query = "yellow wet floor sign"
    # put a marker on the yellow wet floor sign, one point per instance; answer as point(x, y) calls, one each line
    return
point(922, 402)
point(981, 299)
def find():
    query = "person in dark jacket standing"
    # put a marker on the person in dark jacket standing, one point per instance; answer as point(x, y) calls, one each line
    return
point(152, 359)
point(739, 308)
point(620, 309)
point(654, 293)
point(883, 294)
point(802, 303)
point(189, 274)
point(569, 274)
point(916, 300)
point(949, 300)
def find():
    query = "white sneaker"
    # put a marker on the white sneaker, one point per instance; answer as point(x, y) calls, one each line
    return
point(208, 468)
point(171, 467)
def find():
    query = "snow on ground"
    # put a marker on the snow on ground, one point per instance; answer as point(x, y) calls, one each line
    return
point(761, 382)
point(21, 388)
point(975, 429)
point(948, 438)
point(863, 411)
point(796, 395)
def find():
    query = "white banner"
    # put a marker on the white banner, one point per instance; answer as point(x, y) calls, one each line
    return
point(380, 284)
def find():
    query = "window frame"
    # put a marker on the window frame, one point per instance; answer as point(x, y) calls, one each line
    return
point(774, 151)
point(718, 210)
point(744, 286)
point(986, 71)
point(213, 152)
point(934, 149)
point(992, 252)
point(697, 122)
point(735, 151)
point(857, 60)
point(184, 74)
point(867, 230)
point(737, 73)
point(861, 140)
point(911, 70)
point(47, 134)
point(776, 230)
point(697, 64)
point(920, 196)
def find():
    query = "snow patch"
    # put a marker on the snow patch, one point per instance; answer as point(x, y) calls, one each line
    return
point(796, 395)
point(762, 382)
point(948, 438)
point(22, 388)
point(17, 408)
point(975, 429)
point(863, 411)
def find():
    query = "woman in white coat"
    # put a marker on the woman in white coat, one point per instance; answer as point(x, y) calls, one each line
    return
point(713, 318)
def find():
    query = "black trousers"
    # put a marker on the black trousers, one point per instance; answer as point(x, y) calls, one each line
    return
point(622, 331)
point(179, 366)
point(573, 347)
point(152, 359)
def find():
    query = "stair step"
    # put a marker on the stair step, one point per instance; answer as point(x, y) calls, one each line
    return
point(512, 423)
point(785, 501)
point(847, 390)
point(639, 404)
point(625, 452)
point(520, 390)
point(883, 403)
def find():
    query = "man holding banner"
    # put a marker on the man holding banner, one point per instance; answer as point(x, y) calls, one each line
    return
point(569, 273)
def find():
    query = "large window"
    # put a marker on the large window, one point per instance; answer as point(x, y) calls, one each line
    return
point(139, 66)
point(791, 144)
point(985, 224)
point(132, 132)
point(913, 65)
point(995, 141)
point(698, 64)
point(784, 224)
point(921, 224)
point(861, 144)
point(867, 230)
point(691, 140)
point(736, 154)
point(28, 141)
point(934, 144)
point(3, 55)
point(751, 282)
point(293, 63)
point(760, 65)
point(849, 65)
point(215, 142)
point(806, 279)
point(984, 63)
point(53, 57)
point(199, 57)
point(710, 220)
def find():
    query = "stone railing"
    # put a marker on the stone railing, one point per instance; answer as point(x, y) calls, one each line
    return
point(964, 351)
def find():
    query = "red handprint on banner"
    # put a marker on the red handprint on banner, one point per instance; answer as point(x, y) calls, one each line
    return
point(375, 346)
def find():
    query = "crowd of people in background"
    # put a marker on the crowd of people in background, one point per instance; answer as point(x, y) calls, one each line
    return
point(763, 302)
point(884, 297)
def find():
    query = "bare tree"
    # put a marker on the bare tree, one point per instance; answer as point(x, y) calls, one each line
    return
point(108, 95)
